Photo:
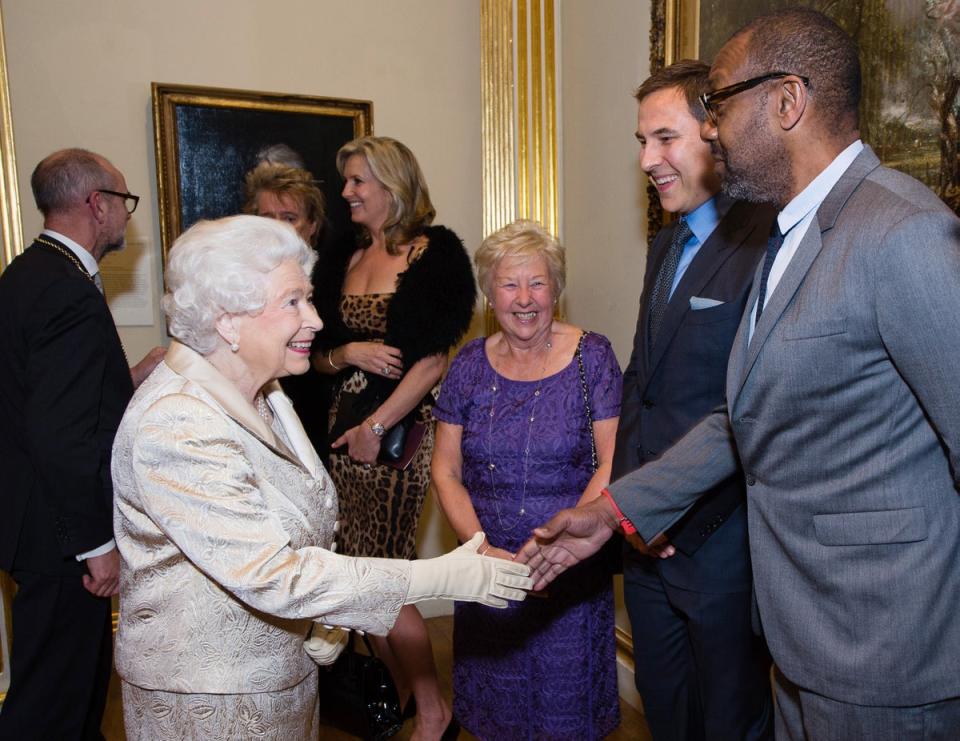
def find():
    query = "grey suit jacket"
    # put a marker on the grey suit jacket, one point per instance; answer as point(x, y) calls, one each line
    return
point(844, 413)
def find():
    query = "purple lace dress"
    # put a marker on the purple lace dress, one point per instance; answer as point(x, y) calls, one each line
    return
point(544, 668)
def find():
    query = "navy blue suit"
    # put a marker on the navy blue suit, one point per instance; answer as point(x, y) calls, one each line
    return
point(700, 670)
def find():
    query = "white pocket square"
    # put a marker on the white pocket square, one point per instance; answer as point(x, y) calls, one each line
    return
point(699, 302)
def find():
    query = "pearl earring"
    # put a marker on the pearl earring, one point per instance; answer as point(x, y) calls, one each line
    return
point(234, 347)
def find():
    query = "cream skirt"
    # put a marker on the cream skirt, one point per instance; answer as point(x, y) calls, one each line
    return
point(286, 715)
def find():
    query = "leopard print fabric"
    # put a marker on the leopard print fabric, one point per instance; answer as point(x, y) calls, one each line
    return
point(380, 506)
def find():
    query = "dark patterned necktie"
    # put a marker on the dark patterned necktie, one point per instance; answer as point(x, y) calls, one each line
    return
point(660, 296)
point(774, 243)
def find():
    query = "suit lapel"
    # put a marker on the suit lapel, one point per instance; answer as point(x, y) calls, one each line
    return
point(744, 356)
point(731, 232)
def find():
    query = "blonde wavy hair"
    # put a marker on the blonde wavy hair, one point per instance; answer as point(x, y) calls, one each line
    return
point(396, 169)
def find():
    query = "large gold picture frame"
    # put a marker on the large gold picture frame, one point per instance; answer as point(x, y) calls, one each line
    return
point(207, 138)
point(910, 109)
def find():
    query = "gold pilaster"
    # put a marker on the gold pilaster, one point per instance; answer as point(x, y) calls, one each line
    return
point(520, 117)
point(11, 230)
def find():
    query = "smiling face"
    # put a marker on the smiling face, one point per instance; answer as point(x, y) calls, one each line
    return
point(285, 207)
point(369, 201)
point(276, 342)
point(672, 154)
point(523, 298)
point(753, 162)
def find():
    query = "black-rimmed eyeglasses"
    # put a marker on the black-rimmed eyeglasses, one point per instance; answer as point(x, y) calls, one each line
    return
point(709, 100)
point(130, 201)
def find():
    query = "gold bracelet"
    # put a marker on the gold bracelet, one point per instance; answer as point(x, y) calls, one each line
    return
point(330, 360)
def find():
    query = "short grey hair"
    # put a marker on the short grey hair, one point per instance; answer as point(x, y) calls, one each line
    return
point(67, 177)
point(525, 239)
point(221, 267)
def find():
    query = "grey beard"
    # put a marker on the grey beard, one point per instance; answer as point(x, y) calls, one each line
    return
point(114, 247)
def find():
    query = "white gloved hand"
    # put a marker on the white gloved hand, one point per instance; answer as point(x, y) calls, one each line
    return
point(325, 644)
point(465, 575)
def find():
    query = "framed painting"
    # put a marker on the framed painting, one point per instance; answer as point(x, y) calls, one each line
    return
point(911, 71)
point(207, 139)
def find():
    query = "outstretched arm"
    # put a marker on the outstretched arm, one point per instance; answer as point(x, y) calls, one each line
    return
point(567, 538)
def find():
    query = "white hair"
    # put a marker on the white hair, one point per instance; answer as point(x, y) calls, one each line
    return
point(220, 267)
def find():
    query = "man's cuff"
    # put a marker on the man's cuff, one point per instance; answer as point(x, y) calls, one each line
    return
point(105, 548)
point(622, 521)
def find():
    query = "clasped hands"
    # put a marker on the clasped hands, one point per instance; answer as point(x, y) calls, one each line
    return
point(574, 534)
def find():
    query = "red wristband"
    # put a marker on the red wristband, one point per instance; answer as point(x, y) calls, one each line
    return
point(625, 524)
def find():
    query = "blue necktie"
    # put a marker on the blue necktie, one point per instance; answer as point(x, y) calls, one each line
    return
point(660, 296)
point(774, 243)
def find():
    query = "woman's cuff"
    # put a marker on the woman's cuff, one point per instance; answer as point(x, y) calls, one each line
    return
point(622, 521)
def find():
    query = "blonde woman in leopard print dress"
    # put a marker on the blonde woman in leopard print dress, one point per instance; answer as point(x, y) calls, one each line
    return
point(393, 304)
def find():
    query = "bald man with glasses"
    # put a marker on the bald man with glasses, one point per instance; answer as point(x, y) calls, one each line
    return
point(64, 385)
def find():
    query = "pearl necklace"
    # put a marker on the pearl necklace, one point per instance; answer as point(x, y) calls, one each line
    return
point(491, 466)
point(262, 408)
point(69, 255)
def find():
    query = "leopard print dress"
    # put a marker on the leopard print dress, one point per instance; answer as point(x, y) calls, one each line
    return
point(380, 506)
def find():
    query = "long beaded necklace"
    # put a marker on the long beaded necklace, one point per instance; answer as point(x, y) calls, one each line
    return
point(69, 255)
point(491, 465)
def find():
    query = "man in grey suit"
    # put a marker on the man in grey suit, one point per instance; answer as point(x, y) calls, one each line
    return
point(841, 404)
point(701, 671)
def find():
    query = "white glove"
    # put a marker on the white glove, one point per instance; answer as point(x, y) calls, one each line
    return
point(465, 575)
point(325, 644)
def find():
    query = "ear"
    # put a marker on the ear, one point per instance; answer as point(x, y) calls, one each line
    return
point(314, 228)
point(793, 97)
point(97, 206)
point(227, 328)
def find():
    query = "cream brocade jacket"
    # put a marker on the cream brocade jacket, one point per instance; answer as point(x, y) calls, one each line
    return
point(222, 526)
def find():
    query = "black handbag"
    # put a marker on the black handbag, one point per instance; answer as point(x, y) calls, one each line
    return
point(358, 693)
point(399, 443)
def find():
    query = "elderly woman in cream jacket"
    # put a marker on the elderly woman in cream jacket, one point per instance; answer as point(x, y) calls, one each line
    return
point(225, 519)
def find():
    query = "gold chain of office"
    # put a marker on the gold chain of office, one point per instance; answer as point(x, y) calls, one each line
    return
point(69, 255)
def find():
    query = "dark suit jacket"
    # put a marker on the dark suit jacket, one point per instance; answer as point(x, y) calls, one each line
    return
point(668, 390)
point(64, 385)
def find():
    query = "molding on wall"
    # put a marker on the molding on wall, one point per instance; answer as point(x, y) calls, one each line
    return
point(11, 230)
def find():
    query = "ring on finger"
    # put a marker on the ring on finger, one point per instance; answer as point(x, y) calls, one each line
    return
point(386, 370)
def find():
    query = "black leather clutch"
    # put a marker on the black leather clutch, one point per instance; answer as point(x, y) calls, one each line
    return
point(399, 443)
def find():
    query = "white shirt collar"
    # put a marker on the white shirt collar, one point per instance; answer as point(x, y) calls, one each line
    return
point(810, 198)
point(86, 259)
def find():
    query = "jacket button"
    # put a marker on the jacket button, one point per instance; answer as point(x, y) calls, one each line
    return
point(751, 480)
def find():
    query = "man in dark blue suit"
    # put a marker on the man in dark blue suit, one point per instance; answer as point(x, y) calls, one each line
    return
point(64, 385)
point(701, 671)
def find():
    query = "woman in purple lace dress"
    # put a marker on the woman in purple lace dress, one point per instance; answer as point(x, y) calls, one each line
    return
point(514, 446)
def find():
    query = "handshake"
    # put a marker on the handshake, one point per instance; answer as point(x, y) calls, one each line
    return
point(462, 575)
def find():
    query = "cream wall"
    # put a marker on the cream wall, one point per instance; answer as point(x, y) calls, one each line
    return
point(80, 74)
point(604, 56)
